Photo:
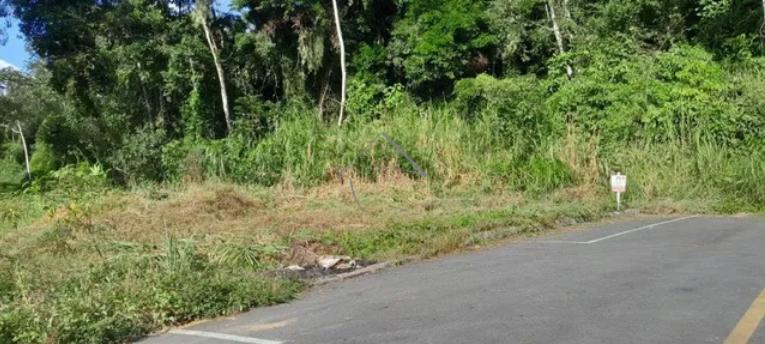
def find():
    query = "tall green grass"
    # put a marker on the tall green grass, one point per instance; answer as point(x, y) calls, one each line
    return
point(715, 178)
point(135, 291)
point(473, 154)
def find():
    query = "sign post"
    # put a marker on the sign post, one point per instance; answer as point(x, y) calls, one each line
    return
point(618, 186)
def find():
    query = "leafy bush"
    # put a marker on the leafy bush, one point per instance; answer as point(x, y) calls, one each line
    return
point(20, 325)
point(677, 95)
point(62, 137)
point(43, 160)
point(72, 180)
point(364, 96)
point(140, 156)
point(73, 139)
point(13, 151)
point(517, 105)
point(11, 174)
point(437, 42)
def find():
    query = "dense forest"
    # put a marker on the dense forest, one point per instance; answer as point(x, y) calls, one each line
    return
point(145, 87)
point(161, 152)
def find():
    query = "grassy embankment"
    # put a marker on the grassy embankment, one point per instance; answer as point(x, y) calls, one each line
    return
point(84, 262)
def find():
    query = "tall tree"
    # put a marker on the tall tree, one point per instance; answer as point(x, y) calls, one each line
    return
point(557, 32)
point(204, 16)
point(343, 73)
point(297, 47)
point(24, 145)
point(523, 31)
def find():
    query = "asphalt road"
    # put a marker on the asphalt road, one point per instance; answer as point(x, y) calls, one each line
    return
point(689, 280)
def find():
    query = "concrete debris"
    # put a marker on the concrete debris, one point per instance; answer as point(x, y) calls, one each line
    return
point(313, 260)
point(345, 266)
point(328, 262)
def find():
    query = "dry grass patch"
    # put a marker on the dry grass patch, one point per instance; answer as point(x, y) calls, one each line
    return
point(223, 211)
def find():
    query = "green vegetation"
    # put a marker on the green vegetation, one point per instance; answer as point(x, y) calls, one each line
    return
point(144, 209)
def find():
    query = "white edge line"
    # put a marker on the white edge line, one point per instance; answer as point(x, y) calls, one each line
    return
point(559, 242)
point(616, 234)
point(223, 336)
point(640, 229)
point(250, 340)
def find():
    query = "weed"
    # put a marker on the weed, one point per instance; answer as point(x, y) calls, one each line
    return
point(11, 215)
point(255, 257)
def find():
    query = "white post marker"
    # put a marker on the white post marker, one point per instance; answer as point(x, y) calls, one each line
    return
point(619, 186)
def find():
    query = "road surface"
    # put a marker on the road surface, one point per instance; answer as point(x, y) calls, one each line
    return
point(646, 280)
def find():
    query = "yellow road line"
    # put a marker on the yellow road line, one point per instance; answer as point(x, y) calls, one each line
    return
point(749, 322)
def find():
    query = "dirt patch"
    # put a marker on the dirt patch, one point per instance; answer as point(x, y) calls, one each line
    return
point(229, 201)
point(207, 209)
point(220, 201)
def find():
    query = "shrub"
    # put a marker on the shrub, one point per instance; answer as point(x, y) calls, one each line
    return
point(140, 155)
point(13, 151)
point(11, 174)
point(20, 325)
point(62, 138)
point(72, 180)
point(364, 96)
point(517, 105)
point(679, 95)
point(43, 160)
point(72, 139)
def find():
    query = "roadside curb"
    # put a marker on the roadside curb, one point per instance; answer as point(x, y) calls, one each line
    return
point(363, 271)
point(384, 265)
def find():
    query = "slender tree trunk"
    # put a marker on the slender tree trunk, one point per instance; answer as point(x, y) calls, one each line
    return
point(558, 35)
point(569, 20)
point(146, 103)
point(342, 61)
point(762, 29)
point(221, 75)
point(323, 96)
point(26, 150)
point(325, 82)
point(567, 12)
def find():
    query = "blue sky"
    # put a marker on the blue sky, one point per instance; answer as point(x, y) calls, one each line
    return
point(14, 52)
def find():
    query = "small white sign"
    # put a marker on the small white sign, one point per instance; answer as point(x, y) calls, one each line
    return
point(618, 183)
